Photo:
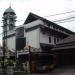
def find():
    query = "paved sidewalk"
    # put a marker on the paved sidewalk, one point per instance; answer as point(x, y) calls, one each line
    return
point(58, 71)
point(64, 71)
point(38, 74)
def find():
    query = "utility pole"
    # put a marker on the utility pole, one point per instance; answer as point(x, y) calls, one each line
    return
point(4, 47)
point(3, 64)
point(29, 59)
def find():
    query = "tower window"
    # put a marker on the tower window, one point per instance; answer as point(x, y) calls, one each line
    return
point(49, 39)
point(10, 27)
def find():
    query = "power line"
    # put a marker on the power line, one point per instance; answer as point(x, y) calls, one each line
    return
point(64, 19)
point(54, 15)
point(49, 15)
point(53, 21)
point(20, 20)
point(60, 14)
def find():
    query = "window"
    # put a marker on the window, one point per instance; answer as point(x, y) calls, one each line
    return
point(20, 32)
point(10, 27)
point(49, 39)
point(55, 40)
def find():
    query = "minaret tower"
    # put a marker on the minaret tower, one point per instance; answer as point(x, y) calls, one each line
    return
point(9, 19)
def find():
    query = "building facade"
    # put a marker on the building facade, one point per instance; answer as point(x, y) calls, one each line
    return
point(64, 52)
point(40, 31)
point(37, 30)
point(9, 19)
point(39, 34)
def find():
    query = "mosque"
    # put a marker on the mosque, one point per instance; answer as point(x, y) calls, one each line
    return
point(42, 37)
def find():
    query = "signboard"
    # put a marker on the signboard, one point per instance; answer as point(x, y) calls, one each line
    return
point(20, 39)
point(20, 43)
point(20, 32)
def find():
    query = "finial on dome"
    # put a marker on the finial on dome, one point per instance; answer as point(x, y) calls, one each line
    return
point(9, 10)
point(10, 5)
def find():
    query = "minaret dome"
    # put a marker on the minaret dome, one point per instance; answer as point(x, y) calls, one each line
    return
point(9, 19)
point(9, 10)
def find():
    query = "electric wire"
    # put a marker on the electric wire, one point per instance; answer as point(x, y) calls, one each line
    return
point(60, 13)
point(53, 21)
point(49, 15)
point(60, 21)
point(64, 19)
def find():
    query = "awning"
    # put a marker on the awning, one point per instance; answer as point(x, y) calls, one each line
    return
point(46, 45)
point(63, 47)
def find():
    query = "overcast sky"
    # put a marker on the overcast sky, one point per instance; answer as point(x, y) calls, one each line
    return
point(43, 8)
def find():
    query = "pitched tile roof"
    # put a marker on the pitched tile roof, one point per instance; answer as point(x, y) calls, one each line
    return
point(32, 17)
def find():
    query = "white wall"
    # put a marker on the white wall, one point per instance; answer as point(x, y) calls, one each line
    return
point(10, 32)
point(11, 43)
point(34, 23)
point(32, 38)
point(52, 39)
point(44, 38)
